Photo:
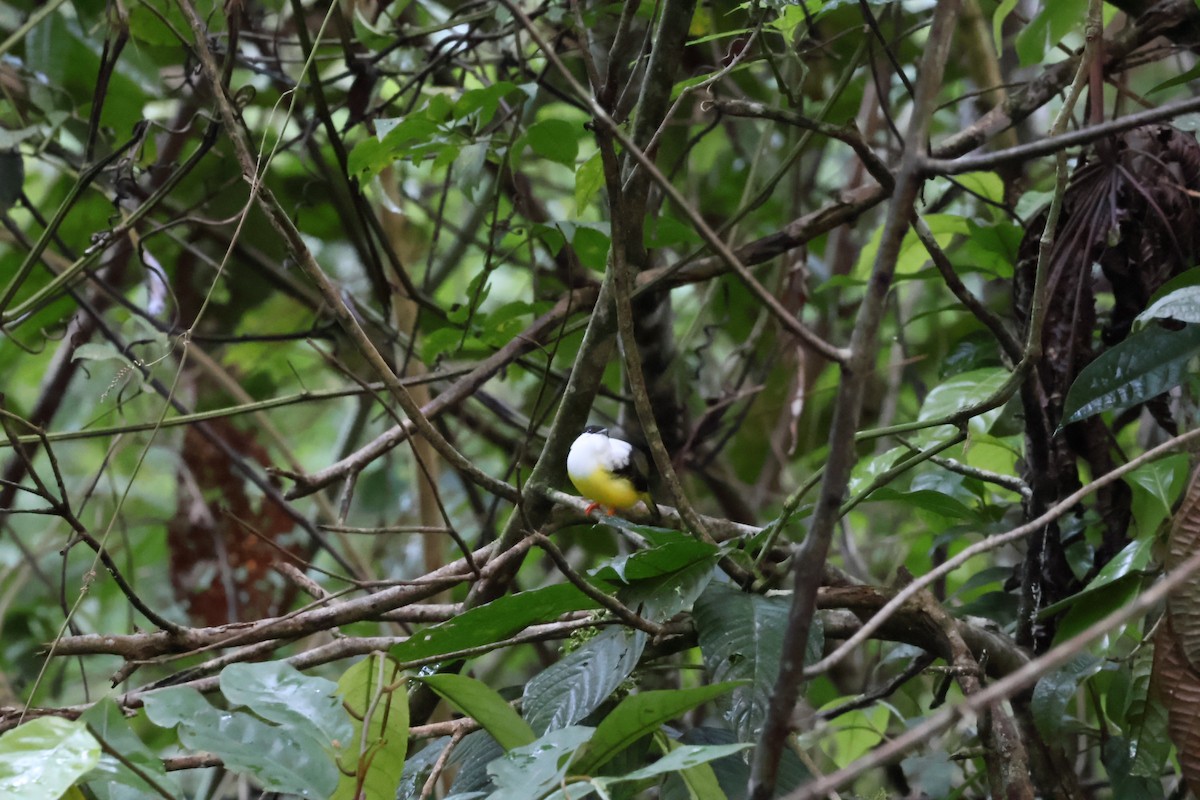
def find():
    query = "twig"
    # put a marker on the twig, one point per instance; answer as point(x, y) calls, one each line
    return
point(614, 606)
point(461, 389)
point(991, 543)
point(283, 224)
point(1001, 690)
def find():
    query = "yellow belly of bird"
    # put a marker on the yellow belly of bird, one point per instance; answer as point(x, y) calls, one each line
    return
point(605, 489)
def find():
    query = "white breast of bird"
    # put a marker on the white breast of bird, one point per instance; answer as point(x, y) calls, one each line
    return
point(598, 449)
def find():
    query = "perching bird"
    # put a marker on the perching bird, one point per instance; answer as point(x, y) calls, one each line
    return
point(609, 472)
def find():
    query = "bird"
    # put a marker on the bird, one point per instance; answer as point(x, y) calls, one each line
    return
point(609, 472)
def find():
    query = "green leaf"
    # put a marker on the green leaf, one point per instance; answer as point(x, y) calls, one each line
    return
point(1054, 691)
point(987, 185)
point(681, 757)
point(469, 164)
point(588, 180)
point(493, 622)
point(913, 255)
point(575, 686)
point(1101, 602)
point(989, 249)
point(1148, 363)
point(1182, 304)
point(1115, 755)
point(1132, 559)
point(1146, 720)
point(1156, 487)
point(280, 693)
point(963, 391)
point(1048, 27)
point(591, 245)
point(482, 103)
point(554, 139)
point(938, 502)
point(418, 767)
point(998, 16)
point(639, 715)
point(110, 726)
point(282, 759)
point(373, 761)
point(98, 351)
point(661, 598)
point(529, 772)
point(43, 758)
point(856, 733)
point(1182, 79)
point(741, 638)
point(656, 562)
point(485, 706)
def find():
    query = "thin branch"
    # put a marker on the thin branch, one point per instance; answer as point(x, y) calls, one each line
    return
point(1060, 508)
point(856, 370)
point(1001, 690)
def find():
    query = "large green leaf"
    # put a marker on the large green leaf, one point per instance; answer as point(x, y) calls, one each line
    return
point(1054, 691)
point(281, 758)
point(656, 562)
point(741, 638)
point(485, 705)
point(732, 772)
point(374, 759)
point(529, 772)
point(111, 776)
point(1048, 27)
point(280, 693)
point(1146, 364)
point(1156, 487)
point(1115, 754)
point(493, 622)
point(1132, 559)
point(661, 581)
point(43, 758)
point(963, 391)
point(1182, 305)
point(575, 685)
point(639, 715)
point(1145, 720)
point(555, 139)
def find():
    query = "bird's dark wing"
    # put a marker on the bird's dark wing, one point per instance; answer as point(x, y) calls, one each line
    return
point(636, 470)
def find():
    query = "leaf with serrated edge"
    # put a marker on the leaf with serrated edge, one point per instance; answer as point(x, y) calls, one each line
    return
point(573, 687)
point(741, 638)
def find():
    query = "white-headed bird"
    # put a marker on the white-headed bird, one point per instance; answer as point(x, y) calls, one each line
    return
point(609, 472)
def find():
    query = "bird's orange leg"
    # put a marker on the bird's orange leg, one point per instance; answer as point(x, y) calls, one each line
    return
point(587, 512)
